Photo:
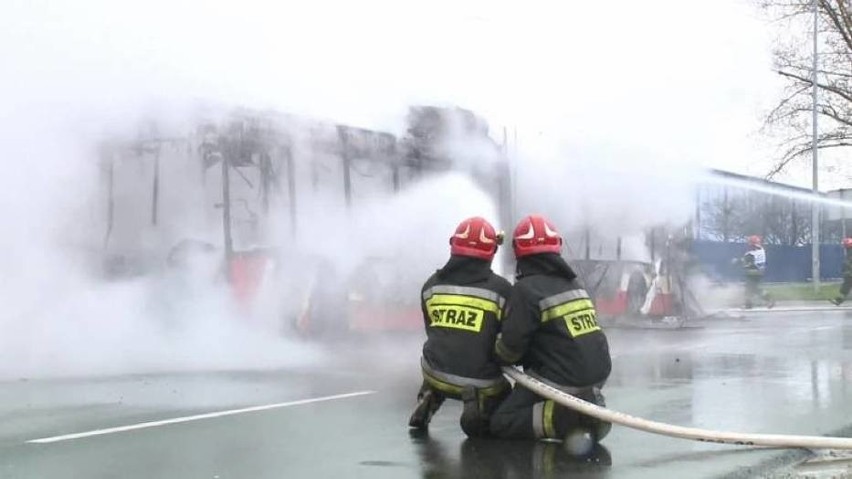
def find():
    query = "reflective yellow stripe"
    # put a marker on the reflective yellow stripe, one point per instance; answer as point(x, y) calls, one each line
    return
point(549, 459)
point(442, 386)
point(448, 378)
point(465, 291)
point(459, 312)
point(456, 390)
point(566, 309)
point(582, 322)
point(548, 420)
point(505, 353)
point(494, 390)
point(470, 301)
point(563, 297)
point(456, 317)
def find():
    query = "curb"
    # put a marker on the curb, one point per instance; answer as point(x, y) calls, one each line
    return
point(788, 309)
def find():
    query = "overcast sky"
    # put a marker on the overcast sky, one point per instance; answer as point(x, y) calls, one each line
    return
point(681, 79)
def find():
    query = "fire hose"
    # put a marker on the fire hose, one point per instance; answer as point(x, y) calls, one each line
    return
point(696, 434)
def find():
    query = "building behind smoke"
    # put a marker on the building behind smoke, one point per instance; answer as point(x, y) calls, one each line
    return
point(283, 173)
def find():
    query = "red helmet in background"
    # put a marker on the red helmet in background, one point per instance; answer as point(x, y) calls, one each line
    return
point(475, 237)
point(534, 235)
point(847, 243)
point(755, 240)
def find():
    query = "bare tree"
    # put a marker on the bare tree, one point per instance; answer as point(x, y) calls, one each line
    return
point(791, 118)
point(737, 215)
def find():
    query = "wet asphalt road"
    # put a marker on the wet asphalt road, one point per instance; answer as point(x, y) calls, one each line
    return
point(787, 373)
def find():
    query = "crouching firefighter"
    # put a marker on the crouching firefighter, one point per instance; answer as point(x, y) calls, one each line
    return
point(463, 304)
point(551, 329)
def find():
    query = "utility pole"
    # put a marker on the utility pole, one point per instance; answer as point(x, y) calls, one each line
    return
point(291, 188)
point(226, 210)
point(347, 165)
point(516, 157)
point(155, 195)
point(107, 156)
point(814, 204)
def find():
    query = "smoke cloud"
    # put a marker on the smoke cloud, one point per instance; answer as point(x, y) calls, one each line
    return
point(79, 72)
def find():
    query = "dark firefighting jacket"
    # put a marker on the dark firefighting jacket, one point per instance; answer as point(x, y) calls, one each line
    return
point(551, 326)
point(463, 304)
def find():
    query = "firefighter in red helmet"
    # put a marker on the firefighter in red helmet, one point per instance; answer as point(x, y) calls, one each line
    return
point(551, 329)
point(847, 273)
point(754, 266)
point(463, 304)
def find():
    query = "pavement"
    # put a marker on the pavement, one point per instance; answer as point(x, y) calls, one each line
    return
point(785, 307)
point(345, 414)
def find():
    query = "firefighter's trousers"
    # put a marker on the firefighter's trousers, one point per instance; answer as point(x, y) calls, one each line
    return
point(480, 396)
point(525, 415)
point(753, 289)
point(846, 286)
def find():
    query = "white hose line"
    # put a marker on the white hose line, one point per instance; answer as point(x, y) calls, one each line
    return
point(615, 417)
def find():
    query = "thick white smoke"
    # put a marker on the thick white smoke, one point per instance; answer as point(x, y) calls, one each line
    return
point(611, 192)
point(76, 72)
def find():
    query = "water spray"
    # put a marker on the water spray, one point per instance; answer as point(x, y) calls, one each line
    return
point(779, 191)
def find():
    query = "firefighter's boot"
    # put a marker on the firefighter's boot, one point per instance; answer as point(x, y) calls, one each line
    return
point(579, 441)
point(428, 402)
point(473, 420)
point(767, 298)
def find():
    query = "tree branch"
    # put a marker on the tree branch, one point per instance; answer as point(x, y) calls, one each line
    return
point(845, 95)
point(833, 77)
point(842, 20)
point(776, 111)
point(834, 73)
point(794, 153)
point(830, 112)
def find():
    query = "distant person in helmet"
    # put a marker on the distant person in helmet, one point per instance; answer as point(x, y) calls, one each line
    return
point(847, 274)
point(552, 330)
point(463, 304)
point(754, 265)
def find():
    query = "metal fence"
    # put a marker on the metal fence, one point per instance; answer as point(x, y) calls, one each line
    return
point(783, 263)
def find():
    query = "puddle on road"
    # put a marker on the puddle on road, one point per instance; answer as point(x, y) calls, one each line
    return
point(822, 465)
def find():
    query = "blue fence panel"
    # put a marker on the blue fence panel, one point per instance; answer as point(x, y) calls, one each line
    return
point(783, 263)
point(831, 258)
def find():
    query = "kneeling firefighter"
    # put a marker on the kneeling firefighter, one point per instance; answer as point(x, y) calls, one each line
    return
point(463, 304)
point(551, 329)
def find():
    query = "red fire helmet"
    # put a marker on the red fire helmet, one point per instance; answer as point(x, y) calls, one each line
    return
point(475, 237)
point(535, 234)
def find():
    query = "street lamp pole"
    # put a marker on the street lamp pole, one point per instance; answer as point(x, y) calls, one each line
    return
point(815, 269)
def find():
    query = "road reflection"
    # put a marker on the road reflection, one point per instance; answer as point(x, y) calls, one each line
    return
point(496, 459)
